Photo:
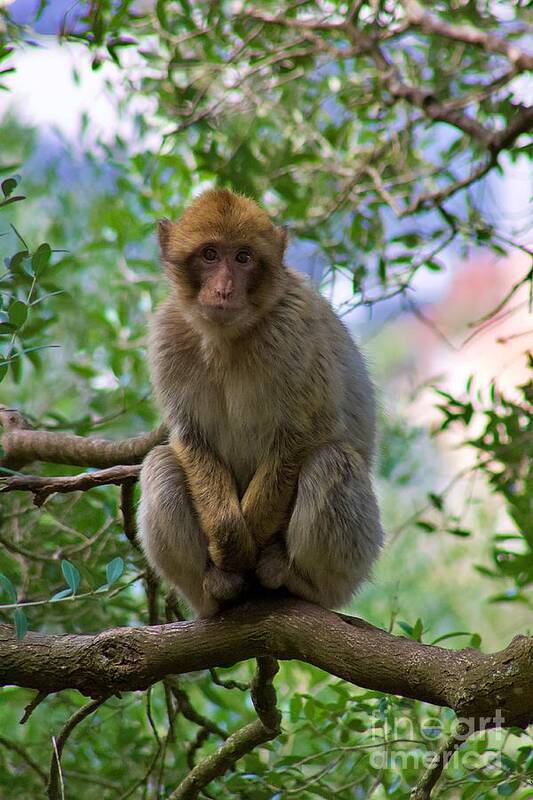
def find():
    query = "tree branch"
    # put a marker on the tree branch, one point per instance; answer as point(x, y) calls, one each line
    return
point(426, 101)
point(236, 746)
point(127, 659)
point(368, 44)
point(20, 751)
point(54, 788)
point(429, 23)
point(42, 487)
point(21, 445)
point(243, 741)
point(430, 776)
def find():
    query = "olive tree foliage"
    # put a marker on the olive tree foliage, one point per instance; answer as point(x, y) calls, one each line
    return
point(373, 131)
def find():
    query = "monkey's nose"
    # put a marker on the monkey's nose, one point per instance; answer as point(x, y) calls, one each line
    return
point(224, 292)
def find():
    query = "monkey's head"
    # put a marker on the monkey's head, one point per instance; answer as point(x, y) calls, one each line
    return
point(225, 259)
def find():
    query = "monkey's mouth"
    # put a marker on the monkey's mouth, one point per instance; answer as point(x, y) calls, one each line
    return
point(219, 312)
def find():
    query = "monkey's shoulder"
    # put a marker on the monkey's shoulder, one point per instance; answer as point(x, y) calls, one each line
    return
point(310, 316)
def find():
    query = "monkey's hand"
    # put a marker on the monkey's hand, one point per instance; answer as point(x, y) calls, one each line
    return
point(233, 550)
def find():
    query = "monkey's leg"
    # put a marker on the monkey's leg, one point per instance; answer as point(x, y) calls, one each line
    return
point(334, 533)
point(172, 539)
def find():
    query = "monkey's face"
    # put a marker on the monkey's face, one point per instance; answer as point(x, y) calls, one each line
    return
point(223, 276)
point(225, 260)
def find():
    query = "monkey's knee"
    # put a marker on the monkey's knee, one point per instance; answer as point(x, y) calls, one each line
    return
point(169, 532)
point(334, 534)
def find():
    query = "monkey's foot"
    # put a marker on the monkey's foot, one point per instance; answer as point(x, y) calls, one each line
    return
point(273, 567)
point(223, 586)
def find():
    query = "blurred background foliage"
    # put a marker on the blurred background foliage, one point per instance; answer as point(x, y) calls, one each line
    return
point(418, 233)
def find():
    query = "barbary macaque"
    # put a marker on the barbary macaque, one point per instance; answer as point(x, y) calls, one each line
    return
point(271, 419)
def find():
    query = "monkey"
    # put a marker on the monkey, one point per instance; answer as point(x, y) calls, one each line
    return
point(266, 477)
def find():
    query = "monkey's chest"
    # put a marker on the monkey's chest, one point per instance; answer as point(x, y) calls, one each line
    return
point(241, 424)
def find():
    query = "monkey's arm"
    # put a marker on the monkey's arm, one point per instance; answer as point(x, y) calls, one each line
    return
point(214, 495)
point(266, 504)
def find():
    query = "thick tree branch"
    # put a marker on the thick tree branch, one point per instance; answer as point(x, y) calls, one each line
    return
point(471, 683)
point(427, 22)
point(21, 445)
point(522, 122)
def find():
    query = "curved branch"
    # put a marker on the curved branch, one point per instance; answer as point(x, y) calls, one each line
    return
point(42, 487)
point(21, 445)
point(235, 747)
point(54, 791)
point(243, 741)
point(364, 43)
point(473, 684)
point(429, 23)
point(430, 776)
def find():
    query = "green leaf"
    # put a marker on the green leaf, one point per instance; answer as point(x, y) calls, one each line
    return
point(71, 575)
point(295, 708)
point(8, 588)
point(114, 570)
point(16, 261)
point(7, 168)
point(18, 313)
point(418, 630)
point(60, 595)
point(382, 270)
point(21, 623)
point(450, 636)
point(429, 527)
point(406, 628)
point(459, 532)
point(8, 186)
point(13, 199)
point(41, 257)
point(436, 500)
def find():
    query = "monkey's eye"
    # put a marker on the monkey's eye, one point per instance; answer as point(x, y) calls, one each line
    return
point(209, 254)
point(243, 257)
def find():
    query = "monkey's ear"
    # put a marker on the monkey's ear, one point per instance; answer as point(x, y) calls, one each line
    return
point(282, 235)
point(164, 226)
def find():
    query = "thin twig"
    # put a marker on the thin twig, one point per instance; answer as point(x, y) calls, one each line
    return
point(186, 708)
point(55, 778)
point(228, 684)
point(32, 705)
point(17, 748)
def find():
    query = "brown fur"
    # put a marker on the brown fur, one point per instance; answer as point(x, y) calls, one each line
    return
point(271, 415)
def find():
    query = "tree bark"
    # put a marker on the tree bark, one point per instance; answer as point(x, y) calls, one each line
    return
point(498, 686)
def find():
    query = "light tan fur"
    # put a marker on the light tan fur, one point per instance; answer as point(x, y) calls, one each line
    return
point(271, 415)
